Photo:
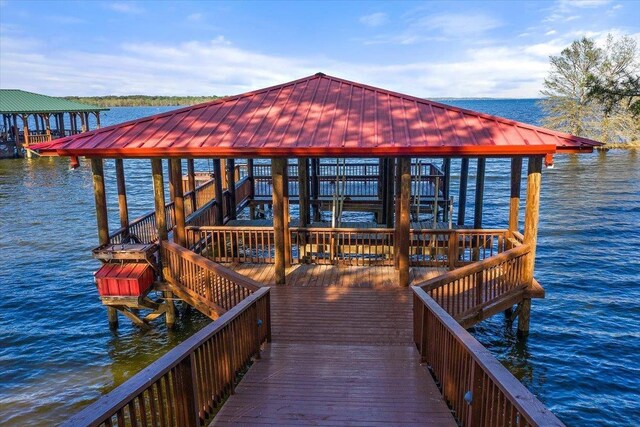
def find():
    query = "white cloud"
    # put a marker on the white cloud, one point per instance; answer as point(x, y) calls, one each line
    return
point(195, 17)
point(128, 7)
point(374, 19)
point(583, 3)
point(550, 32)
point(459, 25)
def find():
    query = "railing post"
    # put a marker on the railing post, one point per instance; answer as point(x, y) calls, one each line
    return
point(453, 249)
point(479, 287)
point(475, 417)
point(186, 379)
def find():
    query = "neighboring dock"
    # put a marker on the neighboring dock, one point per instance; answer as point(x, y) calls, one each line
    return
point(31, 118)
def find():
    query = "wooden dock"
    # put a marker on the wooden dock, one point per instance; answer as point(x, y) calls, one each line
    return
point(341, 354)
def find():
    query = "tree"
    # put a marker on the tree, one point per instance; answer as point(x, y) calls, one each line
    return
point(590, 90)
point(618, 86)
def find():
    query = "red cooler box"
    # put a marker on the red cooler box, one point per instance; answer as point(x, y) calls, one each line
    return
point(131, 279)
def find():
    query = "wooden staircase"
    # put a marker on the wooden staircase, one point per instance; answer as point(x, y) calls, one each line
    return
point(477, 291)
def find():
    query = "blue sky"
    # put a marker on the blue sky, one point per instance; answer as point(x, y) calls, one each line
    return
point(428, 49)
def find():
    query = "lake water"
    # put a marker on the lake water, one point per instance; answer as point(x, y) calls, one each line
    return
point(582, 358)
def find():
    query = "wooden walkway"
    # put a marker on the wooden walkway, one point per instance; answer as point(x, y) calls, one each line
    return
point(342, 354)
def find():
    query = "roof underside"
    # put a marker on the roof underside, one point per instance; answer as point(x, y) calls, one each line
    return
point(14, 101)
point(318, 116)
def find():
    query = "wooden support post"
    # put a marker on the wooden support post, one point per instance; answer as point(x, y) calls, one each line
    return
point(231, 181)
point(25, 135)
point(252, 189)
point(315, 189)
point(382, 191)
point(161, 224)
point(99, 193)
point(179, 236)
point(97, 119)
point(278, 176)
point(532, 212)
point(170, 178)
point(101, 200)
point(287, 217)
point(403, 225)
point(389, 193)
point(122, 197)
point(446, 184)
point(477, 215)
point(191, 183)
point(462, 195)
point(303, 191)
point(514, 203)
point(217, 174)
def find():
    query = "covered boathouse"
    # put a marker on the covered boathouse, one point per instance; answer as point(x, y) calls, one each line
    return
point(319, 321)
point(31, 118)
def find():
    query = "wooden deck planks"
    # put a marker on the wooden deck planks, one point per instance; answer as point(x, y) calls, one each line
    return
point(342, 354)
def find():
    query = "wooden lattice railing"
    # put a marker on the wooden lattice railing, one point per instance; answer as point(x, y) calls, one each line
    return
point(204, 284)
point(186, 385)
point(480, 391)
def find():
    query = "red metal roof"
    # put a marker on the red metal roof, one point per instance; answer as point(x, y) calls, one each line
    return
point(318, 116)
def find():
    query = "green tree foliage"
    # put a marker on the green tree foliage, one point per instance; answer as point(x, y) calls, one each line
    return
point(141, 100)
point(589, 91)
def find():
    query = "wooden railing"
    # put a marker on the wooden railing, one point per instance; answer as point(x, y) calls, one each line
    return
point(36, 138)
point(205, 215)
point(468, 289)
point(233, 244)
point(186, 385)
point(210, 287)
point(480, 391)
point(362, 180)
point(347, 246)
point(144, 228)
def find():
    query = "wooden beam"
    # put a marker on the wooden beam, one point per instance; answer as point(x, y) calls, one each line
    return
point(158, 198)
point(303, 191)
point(477, 215)
point(532, 213)
point(122, 196)
point(278, 176)
point(218, 178)
point(403, 226)
point(97, 168)
point(252, 189)
point(462, 194)
point(231, 182)
point(389, 193)
point(161, 224)
point(514, 203)
point(287, 217)
point(446, 184)
point(315, 189)
point(191, 182)
point(179, 236)
point(99, 193)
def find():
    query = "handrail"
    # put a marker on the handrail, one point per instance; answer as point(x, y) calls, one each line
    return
point(360, 246)
point(212, 288)
point(184, 386)
point(480, 390)
point(476, 267)
point(466, 291)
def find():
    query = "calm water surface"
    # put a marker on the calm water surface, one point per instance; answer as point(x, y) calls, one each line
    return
point(582, 358)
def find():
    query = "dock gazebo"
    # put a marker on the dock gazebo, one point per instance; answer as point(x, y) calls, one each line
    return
point(31, 118)
point(329, 146)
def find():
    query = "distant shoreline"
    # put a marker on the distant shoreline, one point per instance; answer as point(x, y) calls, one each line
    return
point(142, 100)
point(170, 101)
